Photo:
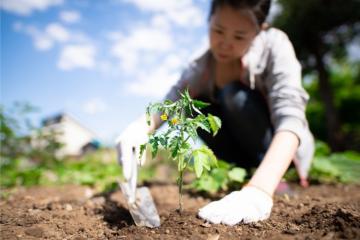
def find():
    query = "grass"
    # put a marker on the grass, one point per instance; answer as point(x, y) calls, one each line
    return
point(99, 170)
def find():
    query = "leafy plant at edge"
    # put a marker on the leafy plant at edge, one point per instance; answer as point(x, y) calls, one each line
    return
point(223, 177)
point(183, 118)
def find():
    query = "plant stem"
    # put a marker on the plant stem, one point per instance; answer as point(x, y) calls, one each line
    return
point(180, 184)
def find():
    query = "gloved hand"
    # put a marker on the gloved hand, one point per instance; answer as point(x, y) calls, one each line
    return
point(248, 205)
point(128, 147)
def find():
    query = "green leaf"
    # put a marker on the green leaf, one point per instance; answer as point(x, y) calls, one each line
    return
point(210, 154)
point(215, 123)
point(200, 104)
point(163, 139)
point(200, 161)
point(154, 107)
point(191, 130)
point(237, 174)
point(187, 95)
point(203, 158)
point(174, 147)
point(154, 143)
point(195, 109)
point(206, 183)
point(224, 165)
point(169, 104)
point(203, 123)
point(142, 149)
point(148, 117)
point(221, 177)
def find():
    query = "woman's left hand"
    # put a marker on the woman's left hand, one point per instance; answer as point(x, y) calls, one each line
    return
point(248, 205)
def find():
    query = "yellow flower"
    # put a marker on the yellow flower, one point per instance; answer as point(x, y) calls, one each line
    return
point(164, 117)
point(174, 121)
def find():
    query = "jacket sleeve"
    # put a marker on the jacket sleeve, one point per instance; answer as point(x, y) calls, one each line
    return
point(287, 97)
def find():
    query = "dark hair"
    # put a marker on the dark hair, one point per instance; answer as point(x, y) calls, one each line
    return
point(260, 8)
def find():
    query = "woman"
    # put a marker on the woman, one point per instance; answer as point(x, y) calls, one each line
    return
point(252, 79)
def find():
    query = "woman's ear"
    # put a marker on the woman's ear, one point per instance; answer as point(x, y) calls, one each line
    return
point(265, 26)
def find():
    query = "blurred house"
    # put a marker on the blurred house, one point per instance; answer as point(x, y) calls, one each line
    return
point(76, 138)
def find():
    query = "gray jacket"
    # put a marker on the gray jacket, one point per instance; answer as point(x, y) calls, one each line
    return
point(273, 69)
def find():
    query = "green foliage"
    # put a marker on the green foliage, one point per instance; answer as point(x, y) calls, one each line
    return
point(330, 167)
point(29, 157)
point(21, 140)
point(183, 118)
point(336, 167)
point(345, 78)
point(221, 178)
point(329, 27)
point(98, 170)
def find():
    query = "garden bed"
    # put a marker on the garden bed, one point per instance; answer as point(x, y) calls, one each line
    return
point(74, 212)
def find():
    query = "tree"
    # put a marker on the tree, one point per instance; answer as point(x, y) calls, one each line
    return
point(321, 30)
point(18, 137)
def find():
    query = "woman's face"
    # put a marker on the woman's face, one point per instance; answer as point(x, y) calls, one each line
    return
point(231, 33)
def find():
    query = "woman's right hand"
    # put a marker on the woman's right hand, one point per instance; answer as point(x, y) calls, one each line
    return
point(128, 145)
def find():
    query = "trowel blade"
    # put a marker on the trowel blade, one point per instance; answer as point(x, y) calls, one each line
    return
point(143, 210)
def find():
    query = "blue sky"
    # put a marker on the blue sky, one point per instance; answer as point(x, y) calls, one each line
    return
point(100, 61)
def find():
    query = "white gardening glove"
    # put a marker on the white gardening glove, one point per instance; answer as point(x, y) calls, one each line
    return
point(128, 145)
point(248, 205)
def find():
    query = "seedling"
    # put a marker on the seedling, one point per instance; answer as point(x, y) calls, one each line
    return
point(183, 118)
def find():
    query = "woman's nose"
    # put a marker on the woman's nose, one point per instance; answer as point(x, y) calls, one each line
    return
point(225, 44)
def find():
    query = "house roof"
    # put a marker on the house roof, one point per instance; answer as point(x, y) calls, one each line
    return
point(59, 117)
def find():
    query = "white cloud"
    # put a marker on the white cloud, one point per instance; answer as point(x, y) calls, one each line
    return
point(43, 43)
point(149, 39)
point(158, 5)
point(44, 39)
point(70, 16)
point(184, 13)
point(95, 106)
point(153, 84)
point(160, 21)
point(57, 32)
point(77, 56)
point(148, 55)
point(40, 39)
point(141, 41)
point(188, 16)
point(26, 7)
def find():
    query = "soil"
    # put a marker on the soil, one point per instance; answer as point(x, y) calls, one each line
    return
point(74, 212)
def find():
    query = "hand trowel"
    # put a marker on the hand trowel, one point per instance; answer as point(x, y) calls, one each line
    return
point(140, 201)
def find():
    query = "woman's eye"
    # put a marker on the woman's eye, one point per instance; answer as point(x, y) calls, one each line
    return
point(239, 38)
point(218, 31)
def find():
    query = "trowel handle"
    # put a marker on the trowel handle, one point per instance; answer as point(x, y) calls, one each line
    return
point(133, 179)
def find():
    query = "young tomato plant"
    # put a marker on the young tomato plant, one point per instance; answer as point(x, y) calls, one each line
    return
point(183, 117)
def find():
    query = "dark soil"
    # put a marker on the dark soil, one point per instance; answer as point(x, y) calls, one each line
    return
point(73, 212)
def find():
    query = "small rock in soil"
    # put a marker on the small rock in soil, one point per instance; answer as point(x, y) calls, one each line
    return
point(68, 207)
point(213, 237)
point(35, 232)
point(206, 225)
